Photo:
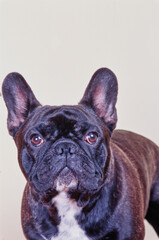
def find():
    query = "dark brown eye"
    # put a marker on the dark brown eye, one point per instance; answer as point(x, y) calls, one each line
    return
point(91, 138)
point(36, 140)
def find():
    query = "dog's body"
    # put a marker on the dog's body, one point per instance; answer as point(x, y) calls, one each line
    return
point(85, 181)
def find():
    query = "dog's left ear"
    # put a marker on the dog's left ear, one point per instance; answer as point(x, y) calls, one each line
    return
point(19, 99)
point(101, 96)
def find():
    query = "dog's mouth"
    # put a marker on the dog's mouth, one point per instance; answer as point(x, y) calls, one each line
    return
point(65, 180)
point(79, 177)
point(76, 186)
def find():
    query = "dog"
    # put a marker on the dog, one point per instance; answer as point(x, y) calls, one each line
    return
point(85, 180)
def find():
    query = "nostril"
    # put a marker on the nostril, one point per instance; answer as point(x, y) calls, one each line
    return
point(65, 149)
point(71, 150)
point(59, 150)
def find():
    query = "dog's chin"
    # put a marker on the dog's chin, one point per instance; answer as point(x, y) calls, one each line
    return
point(65, 180)
point(75, 187)
point(75, 184)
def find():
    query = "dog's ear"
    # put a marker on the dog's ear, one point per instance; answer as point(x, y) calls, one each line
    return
point(19, 99)
point(101, 96)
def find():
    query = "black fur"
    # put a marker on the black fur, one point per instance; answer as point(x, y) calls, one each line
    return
point(116, 173)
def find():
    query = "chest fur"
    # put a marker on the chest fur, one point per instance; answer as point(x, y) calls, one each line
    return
point(68, 227)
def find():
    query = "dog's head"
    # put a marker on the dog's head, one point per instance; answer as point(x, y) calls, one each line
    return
point(65, 147)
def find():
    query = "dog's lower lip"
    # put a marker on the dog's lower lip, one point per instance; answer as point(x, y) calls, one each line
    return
point(65, 178)
point(64, 171)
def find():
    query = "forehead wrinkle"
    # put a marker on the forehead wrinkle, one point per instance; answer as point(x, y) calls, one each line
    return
point(68, 112)
point(49, 114)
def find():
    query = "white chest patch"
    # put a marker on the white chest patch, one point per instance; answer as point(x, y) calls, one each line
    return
point(68, 228)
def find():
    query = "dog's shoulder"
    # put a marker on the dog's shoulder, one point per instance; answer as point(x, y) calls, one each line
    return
point(136, 150)
point(132, 141)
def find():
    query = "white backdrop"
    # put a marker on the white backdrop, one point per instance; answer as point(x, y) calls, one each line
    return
point(57, 46)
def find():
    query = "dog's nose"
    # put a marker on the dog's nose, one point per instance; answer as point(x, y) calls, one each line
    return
point(65, 148)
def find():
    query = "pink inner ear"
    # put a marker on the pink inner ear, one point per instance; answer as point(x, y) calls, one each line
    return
point(99, 100)
point(15, 120)
point(21, 100)
point(20, 107)
point(103, 109)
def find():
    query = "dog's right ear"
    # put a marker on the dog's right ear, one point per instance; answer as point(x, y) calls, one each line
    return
point(19, 99)
point(101, 96)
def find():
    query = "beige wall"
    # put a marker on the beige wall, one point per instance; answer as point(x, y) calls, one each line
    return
point(57, 45)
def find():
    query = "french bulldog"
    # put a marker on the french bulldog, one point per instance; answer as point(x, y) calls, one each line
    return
point(85, 180)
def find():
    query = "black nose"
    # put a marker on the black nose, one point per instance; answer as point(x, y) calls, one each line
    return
point(65, 148)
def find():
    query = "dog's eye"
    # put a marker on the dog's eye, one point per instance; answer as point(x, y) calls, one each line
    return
point(36, 140)
point(91, 138)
